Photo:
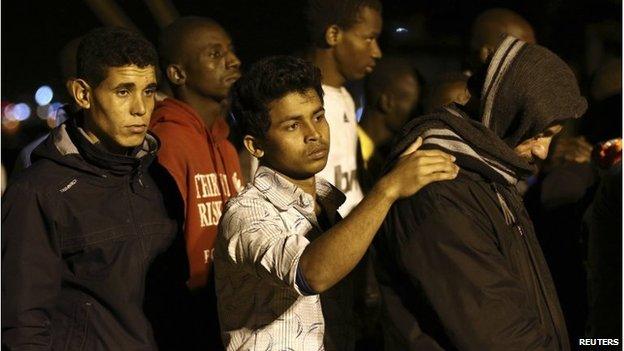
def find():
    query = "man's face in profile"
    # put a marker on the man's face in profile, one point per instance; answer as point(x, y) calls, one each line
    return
point(537, 147)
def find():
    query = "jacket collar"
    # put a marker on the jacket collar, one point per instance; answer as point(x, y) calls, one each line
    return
point(68, 144)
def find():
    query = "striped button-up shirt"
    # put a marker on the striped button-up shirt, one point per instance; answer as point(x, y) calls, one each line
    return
point(262, 235)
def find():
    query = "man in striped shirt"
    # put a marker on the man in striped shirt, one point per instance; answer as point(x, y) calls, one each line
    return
point(280, 242)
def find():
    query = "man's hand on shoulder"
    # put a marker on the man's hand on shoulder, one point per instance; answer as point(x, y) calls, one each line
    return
point(417, 168)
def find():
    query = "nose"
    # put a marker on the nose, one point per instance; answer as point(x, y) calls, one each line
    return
point(540, 149)
point(311, 133)
point(139, 106)
point(376, 50)
point(233, 61)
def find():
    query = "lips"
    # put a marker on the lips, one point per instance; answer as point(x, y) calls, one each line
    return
point(138, 128)
point(232, 78)
point(318, 152)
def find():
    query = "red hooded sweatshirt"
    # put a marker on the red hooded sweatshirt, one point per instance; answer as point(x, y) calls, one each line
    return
point(206, 169)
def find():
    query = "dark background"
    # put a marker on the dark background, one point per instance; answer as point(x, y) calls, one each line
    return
point(33, 32)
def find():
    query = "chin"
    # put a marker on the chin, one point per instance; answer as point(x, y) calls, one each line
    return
point(132, 142)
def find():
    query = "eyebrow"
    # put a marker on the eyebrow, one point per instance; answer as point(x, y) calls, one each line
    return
point(131, 86)
point(298, 117)
point(128, 86)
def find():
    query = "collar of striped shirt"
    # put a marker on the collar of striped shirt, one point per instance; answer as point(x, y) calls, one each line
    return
point(283, 194)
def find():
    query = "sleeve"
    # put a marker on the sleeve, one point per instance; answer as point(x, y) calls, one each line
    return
point(257, 241)
point(480, 302)
point(31, 271)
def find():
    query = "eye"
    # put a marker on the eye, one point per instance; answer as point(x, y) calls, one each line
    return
point(319, 117)
point(292, 126)
point(122, 92)
point(150, 92)
point(215, 54)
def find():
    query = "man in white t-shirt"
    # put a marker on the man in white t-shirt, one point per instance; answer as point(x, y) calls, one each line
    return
point(344, 36)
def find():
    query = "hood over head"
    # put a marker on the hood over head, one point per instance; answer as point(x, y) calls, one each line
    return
point(527, 89)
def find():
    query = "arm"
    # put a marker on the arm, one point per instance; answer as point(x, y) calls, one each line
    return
point(335, 253)
point(31, 271)
point(480, 302)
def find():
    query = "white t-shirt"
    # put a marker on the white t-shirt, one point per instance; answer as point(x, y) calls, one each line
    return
point(341, 168)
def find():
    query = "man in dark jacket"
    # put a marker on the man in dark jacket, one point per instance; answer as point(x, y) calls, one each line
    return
point(459, 264)
point(83, 223)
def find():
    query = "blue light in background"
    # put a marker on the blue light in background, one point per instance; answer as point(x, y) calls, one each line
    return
point(401, 30)
point(44, 95)
point(21, 111)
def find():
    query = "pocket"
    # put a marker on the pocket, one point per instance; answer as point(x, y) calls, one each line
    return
point(79, 327)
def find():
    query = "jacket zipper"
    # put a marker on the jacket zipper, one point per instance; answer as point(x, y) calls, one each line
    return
point(541, 284)
point(134, 223)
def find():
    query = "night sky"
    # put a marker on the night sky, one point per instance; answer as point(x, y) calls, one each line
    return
point(34, 31)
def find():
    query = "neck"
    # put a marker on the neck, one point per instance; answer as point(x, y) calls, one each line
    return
point(373, 124)
point(91, 134)
point(208, 109)
point(324, 60)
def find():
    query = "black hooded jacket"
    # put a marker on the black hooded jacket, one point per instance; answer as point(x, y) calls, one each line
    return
point(458, 263)
point(80, 228)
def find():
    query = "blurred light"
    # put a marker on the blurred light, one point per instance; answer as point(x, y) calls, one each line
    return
point(7, 113)
point(401, 30)
point(44, 95)
point(21, 111)
point(43, 111)
point(9, 123)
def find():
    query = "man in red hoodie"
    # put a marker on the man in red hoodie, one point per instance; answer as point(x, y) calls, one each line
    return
point(200, 65)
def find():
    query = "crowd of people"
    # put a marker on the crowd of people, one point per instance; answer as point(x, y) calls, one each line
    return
point(186, 204)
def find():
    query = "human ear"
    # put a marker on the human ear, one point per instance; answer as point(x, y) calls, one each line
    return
point(253, 146)
point(175, 74)
point(333, 35)
point(81, 92)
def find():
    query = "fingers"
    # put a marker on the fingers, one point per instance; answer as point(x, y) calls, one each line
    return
point(413, 147)
point(436, 177)
point(427, 160)
point(436, 153)
point(439, 167)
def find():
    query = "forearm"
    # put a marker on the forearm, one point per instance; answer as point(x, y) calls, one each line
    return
point(336, 252)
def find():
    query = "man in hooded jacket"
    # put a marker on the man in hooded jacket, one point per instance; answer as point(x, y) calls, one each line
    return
point(459, 265)
point(81, 226)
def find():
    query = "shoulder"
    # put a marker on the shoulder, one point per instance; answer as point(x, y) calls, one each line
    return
point(453, 205)
point(249, 205)
point(42, 184)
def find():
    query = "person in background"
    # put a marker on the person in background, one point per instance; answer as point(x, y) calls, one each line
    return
point(448, 88)
point(200, 65)
point(392, 96)
point(82, 225)
point(344, 37)
point(281, 242)
point(487, 29)
point(459, 263)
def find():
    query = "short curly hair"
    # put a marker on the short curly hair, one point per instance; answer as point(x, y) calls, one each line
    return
point(268, 80)
point(321, 14)
point(107, 47)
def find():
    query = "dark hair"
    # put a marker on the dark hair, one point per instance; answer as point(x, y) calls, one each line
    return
point(384, 76)
point(108, 47)
point(321, 14)
point(268, 80)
